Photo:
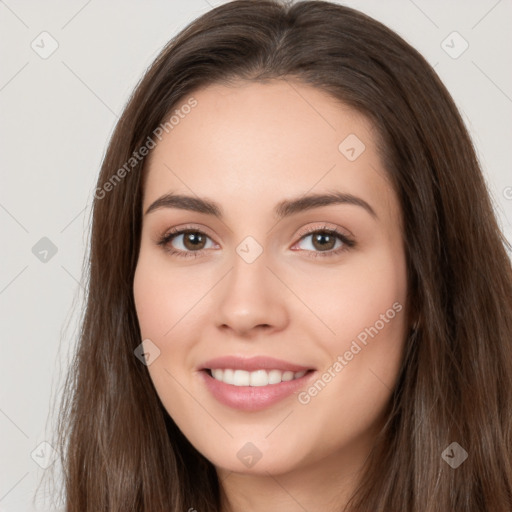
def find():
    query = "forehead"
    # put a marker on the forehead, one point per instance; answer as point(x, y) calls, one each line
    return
point(253, 142)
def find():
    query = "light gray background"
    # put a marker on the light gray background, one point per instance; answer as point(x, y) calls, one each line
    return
point(57, 115)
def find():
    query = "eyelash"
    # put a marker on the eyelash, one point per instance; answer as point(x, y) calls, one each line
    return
point(348, 243)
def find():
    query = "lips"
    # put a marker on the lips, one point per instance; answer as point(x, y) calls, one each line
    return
point(252, 364)
point(252, 384)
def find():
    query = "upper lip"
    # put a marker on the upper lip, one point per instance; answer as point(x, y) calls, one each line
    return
point(251, 364)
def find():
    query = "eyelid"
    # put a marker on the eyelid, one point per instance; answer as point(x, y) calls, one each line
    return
point(303, 231)
point(186, 227)
point(347, 240)
point(324, 226)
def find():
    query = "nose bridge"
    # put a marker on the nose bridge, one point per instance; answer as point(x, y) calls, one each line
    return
point(251, 295)
point(250, 271)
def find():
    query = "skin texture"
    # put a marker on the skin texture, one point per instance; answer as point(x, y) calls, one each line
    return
point(248, 147)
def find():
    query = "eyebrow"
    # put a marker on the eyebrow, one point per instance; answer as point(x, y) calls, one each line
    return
point(283, 209)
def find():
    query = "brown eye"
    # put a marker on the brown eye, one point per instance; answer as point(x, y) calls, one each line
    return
point(185, 242)
point(194, 240)
point(323, 241)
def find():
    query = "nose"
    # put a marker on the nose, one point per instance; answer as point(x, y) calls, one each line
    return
point(251, 298)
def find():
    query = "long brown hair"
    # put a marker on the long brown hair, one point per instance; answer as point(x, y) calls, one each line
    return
point(120, 449)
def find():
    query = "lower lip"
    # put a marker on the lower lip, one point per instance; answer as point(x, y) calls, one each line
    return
point(253, 398)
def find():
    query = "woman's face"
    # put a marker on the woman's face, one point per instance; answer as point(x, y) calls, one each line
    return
point(263, 283)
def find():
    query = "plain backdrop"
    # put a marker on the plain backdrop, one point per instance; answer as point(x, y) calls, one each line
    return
point(58, 111)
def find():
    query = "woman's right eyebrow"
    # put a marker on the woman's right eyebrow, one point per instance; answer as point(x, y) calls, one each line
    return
point(283, 209)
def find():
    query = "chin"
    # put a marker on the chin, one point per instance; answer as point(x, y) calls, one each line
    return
point(248, 458)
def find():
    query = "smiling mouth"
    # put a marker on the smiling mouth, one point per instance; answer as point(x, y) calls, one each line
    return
point(255, 378)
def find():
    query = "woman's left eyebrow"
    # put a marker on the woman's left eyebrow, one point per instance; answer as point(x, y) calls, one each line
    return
point(283, 209)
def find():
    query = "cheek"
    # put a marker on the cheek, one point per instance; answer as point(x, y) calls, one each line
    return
point(151, 302)
point(161, 303)
point(164, 297)
point(357, 299)
point(168, 307)
point(368, 316)
point(365, 308)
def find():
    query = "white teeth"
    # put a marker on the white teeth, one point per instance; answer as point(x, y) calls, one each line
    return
point(217, 374)
point(241, 378)
point(228, 376)
point(259, 378)
point(274, 376)
point(287, 376)
point(256, 378)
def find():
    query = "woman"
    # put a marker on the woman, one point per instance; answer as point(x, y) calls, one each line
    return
point(299, 296)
